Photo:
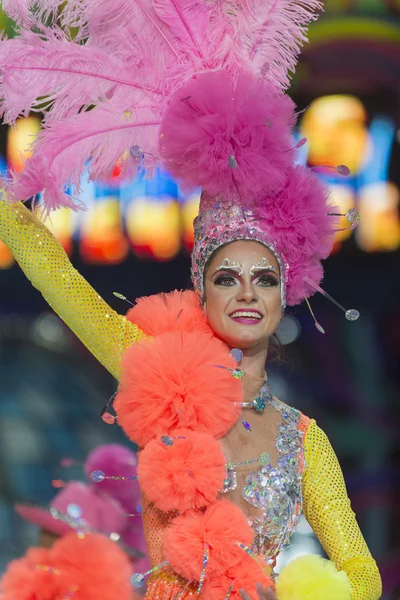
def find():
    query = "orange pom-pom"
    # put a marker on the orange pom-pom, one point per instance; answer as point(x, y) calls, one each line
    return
point(220, 526)
point(96, 566)
point(163, 313)
point(81, 568)
point(30, 577)
point(187, 474)
point(244, 576)
point(173, 381)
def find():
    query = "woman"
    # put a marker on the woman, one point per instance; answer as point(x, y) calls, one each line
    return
point(225, 468)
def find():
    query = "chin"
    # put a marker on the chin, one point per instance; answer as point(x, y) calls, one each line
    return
point(245, 341)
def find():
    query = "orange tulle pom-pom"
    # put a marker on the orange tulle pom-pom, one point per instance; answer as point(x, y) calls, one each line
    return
point(219, 527)
point(244, 576)
point(30, 578)
point(173, 381)
point(78, 568)
point(163, 313)
point(96, 566)
point(185, 475)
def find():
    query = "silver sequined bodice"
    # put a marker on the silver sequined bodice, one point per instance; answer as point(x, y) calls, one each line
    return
point(275, 490)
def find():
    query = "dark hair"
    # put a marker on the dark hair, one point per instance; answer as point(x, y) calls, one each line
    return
point(276, 351)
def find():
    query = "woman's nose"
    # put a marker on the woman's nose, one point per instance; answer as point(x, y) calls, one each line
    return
point(247, 293)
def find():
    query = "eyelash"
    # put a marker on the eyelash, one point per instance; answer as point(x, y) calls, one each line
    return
point(224, 280)
point(270, 280)
point(228, 280)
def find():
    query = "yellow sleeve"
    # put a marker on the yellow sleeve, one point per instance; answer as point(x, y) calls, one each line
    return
point(43, 260)
point(327, 509)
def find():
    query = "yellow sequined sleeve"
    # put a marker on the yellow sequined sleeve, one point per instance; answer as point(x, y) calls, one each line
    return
point(327, 509)
point(103, 331)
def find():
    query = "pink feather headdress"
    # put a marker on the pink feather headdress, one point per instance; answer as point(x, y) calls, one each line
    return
point(196, 87)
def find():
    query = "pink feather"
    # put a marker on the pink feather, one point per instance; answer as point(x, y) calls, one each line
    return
point(188, 22)
point(269, 34)
point(30, 12)
point(102, 135)
point(68, 75)
point(129, 57)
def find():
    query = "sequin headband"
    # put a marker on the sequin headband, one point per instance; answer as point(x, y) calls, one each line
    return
point(224, 223)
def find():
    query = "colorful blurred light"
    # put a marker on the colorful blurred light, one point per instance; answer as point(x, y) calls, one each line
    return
point(151, 218)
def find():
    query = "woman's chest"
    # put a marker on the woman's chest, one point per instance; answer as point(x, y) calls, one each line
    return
point(264, 473)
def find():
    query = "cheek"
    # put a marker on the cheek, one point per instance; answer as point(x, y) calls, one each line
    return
point(273, 305)
point(215, 307)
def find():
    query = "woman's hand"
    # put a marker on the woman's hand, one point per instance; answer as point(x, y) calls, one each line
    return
point(266, 594)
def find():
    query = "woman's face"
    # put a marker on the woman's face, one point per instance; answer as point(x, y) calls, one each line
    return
point(243, 294)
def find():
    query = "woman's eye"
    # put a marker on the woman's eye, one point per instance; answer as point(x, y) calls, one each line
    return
point(225, 280)
point(268, 281)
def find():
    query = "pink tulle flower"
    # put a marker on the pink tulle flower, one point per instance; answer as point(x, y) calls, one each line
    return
point(229, 134)
point(298, 223)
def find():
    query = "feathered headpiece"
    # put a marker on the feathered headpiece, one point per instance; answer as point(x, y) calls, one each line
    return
point(194, 86)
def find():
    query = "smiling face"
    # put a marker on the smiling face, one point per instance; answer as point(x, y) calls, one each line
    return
point(243, 294)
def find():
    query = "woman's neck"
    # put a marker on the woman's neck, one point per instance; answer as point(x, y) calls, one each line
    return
point(253, 361)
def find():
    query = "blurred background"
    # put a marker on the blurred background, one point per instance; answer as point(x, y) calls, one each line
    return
point(135, 239)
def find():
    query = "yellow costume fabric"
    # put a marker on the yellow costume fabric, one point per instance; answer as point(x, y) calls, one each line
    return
point(107, 335)
point(43, 260)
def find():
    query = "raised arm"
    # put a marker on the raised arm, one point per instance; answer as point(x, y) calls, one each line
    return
point(327, 509)
point(43, 260)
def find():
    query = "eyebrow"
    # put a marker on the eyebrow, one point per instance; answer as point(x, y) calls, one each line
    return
point(237, 269)
point(268, 269)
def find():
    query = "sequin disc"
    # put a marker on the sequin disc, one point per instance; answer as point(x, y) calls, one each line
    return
point(137, 580)
point(167, 440)
point(108, 418)
point(352, 314)
point(74, 511)
point(237, 354)
point(97, 476)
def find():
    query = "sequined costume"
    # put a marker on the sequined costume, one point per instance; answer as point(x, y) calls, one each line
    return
point(322, 492)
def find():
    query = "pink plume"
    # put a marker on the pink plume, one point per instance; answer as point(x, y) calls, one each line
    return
point(270, 34)
point(187, 21)
point(228, 136)
point(62, 150)
point(68, 75)
point(30, 12)
point(18, 10)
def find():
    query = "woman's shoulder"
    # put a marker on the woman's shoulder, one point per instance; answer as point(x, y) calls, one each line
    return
point(303, 422)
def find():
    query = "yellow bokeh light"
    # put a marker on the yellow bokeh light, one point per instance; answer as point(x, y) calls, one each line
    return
point(154, 226)
point(19, 140)
point(102, 238)
point(190, 210)
point(336, 129)
point(379, 228)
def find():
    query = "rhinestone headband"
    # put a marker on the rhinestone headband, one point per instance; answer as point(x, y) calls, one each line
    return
point(221, 224)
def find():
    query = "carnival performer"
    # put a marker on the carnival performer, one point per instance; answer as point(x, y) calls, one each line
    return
point(196, 87)
point(110, 508)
